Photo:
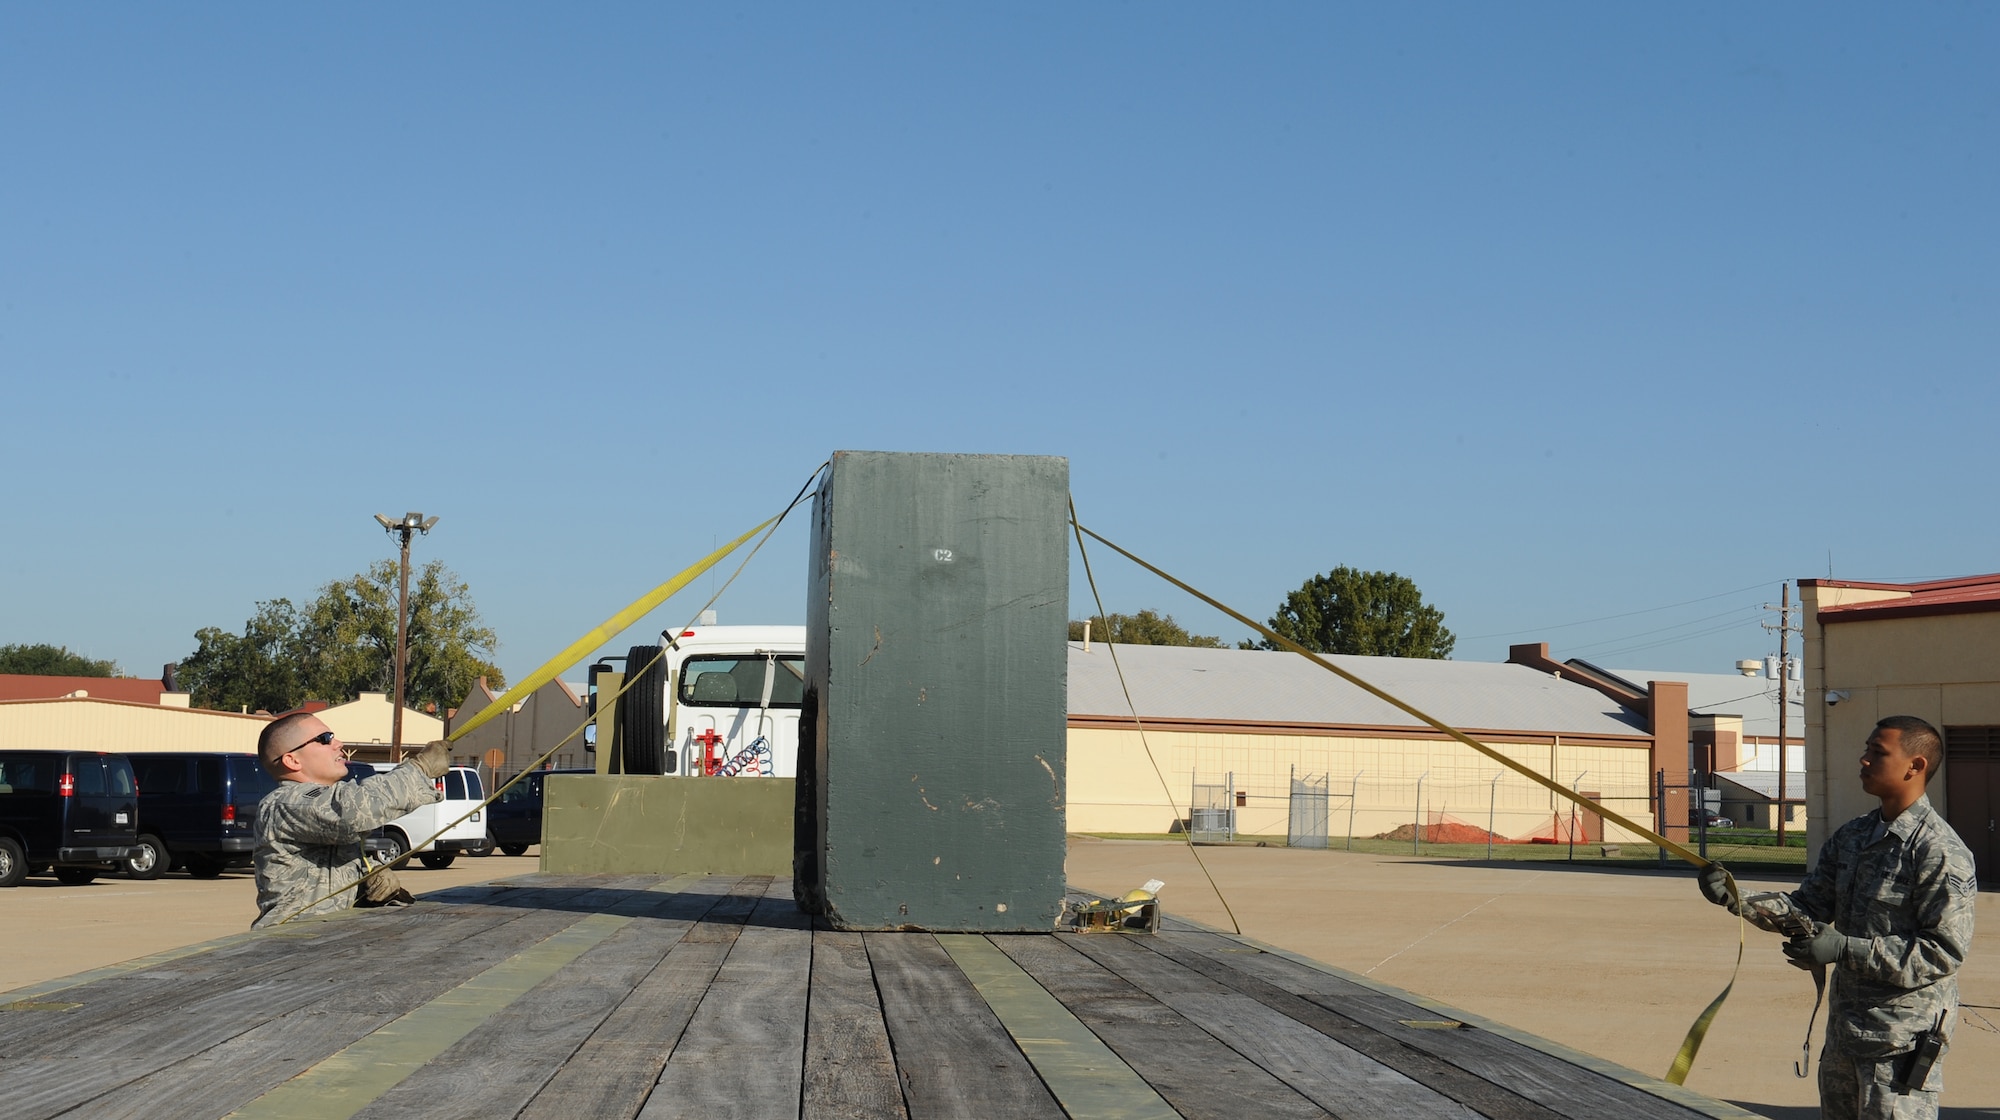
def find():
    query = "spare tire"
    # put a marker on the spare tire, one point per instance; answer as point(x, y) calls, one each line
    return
point(642, 716)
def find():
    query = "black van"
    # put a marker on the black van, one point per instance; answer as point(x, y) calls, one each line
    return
point(197, 809)
point(515, 818)
point(76, 811)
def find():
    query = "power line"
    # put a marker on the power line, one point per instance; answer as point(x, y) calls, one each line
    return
point(1661, 630)
point(1613, 617)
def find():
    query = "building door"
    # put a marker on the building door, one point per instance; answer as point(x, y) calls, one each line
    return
point(1972, 793)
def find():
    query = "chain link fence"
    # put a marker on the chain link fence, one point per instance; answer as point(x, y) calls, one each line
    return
point(1333, 810)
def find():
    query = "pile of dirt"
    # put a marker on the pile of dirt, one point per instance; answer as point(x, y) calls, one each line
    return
point(1447, 832)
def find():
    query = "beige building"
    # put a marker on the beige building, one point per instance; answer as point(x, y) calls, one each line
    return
point(1256, 725)
point(125, 726)
point(367, 722)
point(1930, 650)
point(531, 728)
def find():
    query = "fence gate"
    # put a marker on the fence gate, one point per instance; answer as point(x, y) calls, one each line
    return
point(1212, 811)
point(1308, 816)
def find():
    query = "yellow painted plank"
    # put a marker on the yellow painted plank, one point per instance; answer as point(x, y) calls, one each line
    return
point(1088, 1080)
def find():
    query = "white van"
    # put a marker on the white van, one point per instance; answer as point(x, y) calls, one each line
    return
point(463, 791)
point(728, 705)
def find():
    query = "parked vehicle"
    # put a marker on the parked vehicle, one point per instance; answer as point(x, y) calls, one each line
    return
point(463, 792)
point(515, 818)
point(75, 811)
point(724, 701)
point(1713, 819)
point(197, 810)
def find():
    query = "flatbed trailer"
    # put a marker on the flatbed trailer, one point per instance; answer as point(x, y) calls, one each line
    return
point(714, 996)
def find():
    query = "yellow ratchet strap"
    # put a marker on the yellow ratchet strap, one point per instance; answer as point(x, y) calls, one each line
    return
point(604, 632)
point(1692, 1044)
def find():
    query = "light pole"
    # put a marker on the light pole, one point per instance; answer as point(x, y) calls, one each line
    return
point(410, 524)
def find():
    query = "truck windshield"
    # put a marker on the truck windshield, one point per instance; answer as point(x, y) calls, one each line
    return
point(736, 681)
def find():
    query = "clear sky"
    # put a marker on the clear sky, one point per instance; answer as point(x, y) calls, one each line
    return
point(1565, 311)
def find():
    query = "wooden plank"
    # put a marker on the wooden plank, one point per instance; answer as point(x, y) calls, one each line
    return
point(344, 1083)
point(1555, 1085)
point(613, 1071)
point(850, 1069)
point(1200, 1077)
point(954, 1057)
point(743, 1052)
point(1335, 1076)
point(498, 1068)
point(70, 1064)
point(1087, 1077)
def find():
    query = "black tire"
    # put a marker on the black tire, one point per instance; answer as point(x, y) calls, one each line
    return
point(642, 713)
point(149, 860)
point(437, 861)
point(13, 862)
point(203, 867)
point(75, 876)
point(514, 849)
point(397, 845)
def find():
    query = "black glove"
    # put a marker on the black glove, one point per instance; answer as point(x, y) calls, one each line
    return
point(1714, 883)
point(1824, 945)
point(433, 760)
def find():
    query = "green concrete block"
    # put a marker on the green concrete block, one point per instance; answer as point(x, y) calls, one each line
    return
point(931, 745)
point(646, 824)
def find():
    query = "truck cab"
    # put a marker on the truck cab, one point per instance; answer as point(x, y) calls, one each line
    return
point(721, 701)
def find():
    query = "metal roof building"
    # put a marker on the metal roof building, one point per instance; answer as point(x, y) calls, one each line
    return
point(1261, 726)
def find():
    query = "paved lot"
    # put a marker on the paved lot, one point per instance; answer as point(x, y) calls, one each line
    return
point(1611, 962)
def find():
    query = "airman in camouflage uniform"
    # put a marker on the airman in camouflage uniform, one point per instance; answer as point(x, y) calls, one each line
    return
point(1890, 907)
point(310, 829)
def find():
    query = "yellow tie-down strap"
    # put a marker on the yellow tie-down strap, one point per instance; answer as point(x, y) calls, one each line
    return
point(1677, 1074)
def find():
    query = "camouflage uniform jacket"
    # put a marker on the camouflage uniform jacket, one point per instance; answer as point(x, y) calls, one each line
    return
point(1905, 905)
point(309, 838)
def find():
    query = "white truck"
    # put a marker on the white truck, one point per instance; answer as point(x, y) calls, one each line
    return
point(463, 792)
point(724, 702)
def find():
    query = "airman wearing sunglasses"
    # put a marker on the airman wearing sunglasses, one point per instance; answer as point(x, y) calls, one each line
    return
point(310, 829)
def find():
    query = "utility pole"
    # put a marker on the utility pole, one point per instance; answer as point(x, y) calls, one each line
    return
point(410, 524)
point(1785, 629)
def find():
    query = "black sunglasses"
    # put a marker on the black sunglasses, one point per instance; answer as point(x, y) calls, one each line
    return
point(323, 738)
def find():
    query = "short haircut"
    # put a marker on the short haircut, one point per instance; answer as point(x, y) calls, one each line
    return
point(269, 743)
point(1919, 738)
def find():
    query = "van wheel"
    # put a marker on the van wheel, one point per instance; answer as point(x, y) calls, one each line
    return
point(149, 861)
point(204, 867)
point(13, 862)
point(642, 712)
point(75, 876)
point(396, 844)
point(514, 849)
point(437, 861)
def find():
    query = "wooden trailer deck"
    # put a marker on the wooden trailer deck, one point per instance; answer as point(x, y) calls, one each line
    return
point(624, 996)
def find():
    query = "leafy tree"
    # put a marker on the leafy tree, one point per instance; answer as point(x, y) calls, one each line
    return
point(44, 660)
point(344, 643)
point(350, 635)
point(1147, 628)
point(1351, 611)
point(261, 670)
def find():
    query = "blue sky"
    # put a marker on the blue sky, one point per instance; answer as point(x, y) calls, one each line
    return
point(1564, 311)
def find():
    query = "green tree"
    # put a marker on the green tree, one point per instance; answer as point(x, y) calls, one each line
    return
point(1374, 613)
point(259, 670)
point(44, 660)
point(1147, 628)
point(349, 637)
point(344, 643)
